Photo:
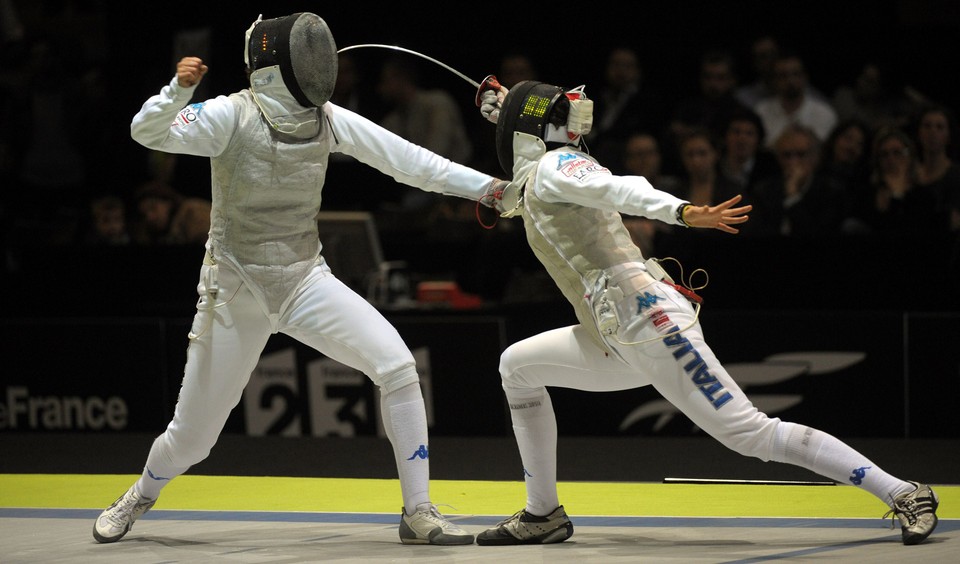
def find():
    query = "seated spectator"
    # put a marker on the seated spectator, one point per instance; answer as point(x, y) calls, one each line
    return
point(764, 50)
point(891, 204)
point(744, 159)
point(168, 218)
point(937, 172)
point(799, 202)
point(843, 158)
point(793, 102)
point(702, 184)
point(516, 67)
point(715, 102)
point(872, 99)
point(624, 102)
point(428, 117)
point(642, 157)
point(108, 222)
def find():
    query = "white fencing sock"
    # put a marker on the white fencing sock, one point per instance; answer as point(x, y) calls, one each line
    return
point(158, 472)
point(405, 423)
point(535, 427)
point(828, 456)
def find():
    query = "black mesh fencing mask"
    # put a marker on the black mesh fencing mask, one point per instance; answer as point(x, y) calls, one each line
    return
point(527, 108)
point(303, 47)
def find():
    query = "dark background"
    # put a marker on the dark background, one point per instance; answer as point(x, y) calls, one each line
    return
point(916, 40)
point(131, 47)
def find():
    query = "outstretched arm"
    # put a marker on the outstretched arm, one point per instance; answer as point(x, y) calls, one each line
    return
point(721, 216)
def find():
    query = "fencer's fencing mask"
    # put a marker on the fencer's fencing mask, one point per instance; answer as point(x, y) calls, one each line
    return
point(302, 46)
point(528, 108)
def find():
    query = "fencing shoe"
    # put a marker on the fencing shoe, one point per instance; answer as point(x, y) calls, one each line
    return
point(526, 528)
point(428, 526)
point(117, 519)
point(917, 511)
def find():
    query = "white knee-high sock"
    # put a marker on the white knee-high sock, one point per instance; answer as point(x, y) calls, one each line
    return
point(158, 472)
point(828, 456)
point(405, 423)
point(535, 427)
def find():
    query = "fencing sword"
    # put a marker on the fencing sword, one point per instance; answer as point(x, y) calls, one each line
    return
point(488, 83)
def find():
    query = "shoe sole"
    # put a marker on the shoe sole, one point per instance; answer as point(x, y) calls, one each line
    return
point(107, 540)
point(446, 541)
point(554, 537)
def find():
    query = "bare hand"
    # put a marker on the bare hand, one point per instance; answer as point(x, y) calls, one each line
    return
point(720, 216)
point(190, 71)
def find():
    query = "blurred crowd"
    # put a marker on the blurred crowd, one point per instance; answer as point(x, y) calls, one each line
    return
point(873, 156)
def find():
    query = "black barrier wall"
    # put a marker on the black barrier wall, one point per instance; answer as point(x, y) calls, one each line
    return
point(853, 374)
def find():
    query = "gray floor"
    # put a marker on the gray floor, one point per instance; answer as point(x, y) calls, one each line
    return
point(61, 536)
point(163, 537)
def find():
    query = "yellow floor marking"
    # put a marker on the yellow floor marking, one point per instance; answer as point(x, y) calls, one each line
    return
point(233, 493)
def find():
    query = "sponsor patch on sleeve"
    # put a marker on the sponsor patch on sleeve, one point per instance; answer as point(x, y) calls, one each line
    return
point(578, 167)
point(188, 115)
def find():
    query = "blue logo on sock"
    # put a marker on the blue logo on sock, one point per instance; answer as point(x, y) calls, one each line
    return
point(420, 453)
point(154, 476)
point(525, 473)
point(858, 475)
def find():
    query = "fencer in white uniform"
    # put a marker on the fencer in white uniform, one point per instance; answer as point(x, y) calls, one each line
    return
point(636, 327)
point(264, 270)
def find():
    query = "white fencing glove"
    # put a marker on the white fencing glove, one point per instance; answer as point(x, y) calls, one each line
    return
point(490, 102)
point(494, 195)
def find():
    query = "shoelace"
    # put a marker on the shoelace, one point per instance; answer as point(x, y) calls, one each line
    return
point(516, 516)
point(911, 508)
point(434, 513)
point(124, 509)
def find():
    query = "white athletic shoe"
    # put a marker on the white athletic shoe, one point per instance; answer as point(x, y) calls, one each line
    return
point(917, 511)
point(527, 528)
point(428, 526)
point(117, 519)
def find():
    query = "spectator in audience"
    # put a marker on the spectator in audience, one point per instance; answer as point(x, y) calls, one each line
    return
point(702, 182)
point(892, 205)
point(871, 99)
point(642, 157)
point(793, 103)
point(166, 217)
point(764, 51)
point(744, 159)
point(799, 202)
point(844, 153)
point(937, 172)
point(843, 159)
point(429, 118)
point(712, 107)
point(516, 67)
point(624, 103)
point(344, 172)
point(107, 222)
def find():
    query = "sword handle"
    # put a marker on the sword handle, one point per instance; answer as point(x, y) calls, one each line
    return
point(488, 83)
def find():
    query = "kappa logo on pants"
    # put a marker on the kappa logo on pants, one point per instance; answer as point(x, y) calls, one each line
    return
point(420, 453)
point(647, 300)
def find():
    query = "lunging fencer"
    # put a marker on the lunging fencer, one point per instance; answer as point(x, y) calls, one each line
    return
point(264, 273)
point(636, 327)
